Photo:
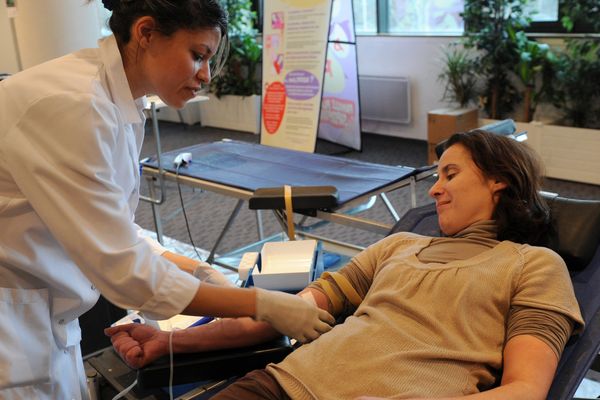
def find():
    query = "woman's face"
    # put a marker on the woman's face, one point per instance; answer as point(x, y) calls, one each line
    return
point(462, 194)
point(175, 67)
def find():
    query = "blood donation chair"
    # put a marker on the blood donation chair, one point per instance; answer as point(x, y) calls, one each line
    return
point(576, 238)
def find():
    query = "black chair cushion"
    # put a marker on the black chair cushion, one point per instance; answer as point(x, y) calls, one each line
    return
point(576, 226)
point(576, 233)
point(422, 220)
point(212, 365)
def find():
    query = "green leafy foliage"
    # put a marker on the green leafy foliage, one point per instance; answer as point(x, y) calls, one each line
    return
point(574, 80)
point(487, 26)
point(533, 58)
point(580, 12)
point(241, 75)
point(459, 75)
point(575, 83)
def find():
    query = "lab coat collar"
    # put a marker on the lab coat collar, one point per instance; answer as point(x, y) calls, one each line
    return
point(117, 81)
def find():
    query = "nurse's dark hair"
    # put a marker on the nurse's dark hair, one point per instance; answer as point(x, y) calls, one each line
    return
point(171, 16)
point(521, 214)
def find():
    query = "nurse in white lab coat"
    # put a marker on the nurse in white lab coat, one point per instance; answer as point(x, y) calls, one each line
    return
point(71, 131)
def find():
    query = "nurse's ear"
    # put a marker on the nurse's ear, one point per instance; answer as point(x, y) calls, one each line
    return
point(143, 30)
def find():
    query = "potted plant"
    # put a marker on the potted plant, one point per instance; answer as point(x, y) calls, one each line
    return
point(568, 79)
point(459, 77)
point(533, 56)
point(486, 30)
point(575, 91)
point(459, 73)
point(575, 88)
point(235, 93)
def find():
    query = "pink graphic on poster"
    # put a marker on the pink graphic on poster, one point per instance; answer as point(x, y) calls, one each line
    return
point(338, 113)
point(340, 110)
point(294, 52)
point(277, 20)
point(339, 120)
point(273, 107)
point(273, 50)
point(342, 22)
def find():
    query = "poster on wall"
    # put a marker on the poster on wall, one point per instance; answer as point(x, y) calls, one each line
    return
point(295, 37)
point(340, 107)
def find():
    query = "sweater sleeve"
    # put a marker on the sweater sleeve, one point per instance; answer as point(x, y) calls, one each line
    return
point(551, 327)
point(544, 284)
point(359, 273)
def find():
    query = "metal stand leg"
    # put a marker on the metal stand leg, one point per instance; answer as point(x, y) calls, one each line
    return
point(280, 217)
point(181, 119)
point(413, 192)
point(234, 214)
point(259, 225)
point(155, 213)
point(389, 206)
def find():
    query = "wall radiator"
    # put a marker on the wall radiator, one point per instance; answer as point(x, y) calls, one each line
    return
point(385, 99)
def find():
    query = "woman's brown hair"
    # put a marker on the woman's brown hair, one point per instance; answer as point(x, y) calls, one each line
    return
point(521, 214)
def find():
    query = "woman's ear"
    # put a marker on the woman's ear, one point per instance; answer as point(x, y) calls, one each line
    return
point(142, 31)
point(497, 186)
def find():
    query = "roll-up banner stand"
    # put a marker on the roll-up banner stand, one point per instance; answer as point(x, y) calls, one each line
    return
point(295, 41)
point(340, 107)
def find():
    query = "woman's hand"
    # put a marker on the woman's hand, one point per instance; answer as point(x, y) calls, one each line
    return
point(138, 344)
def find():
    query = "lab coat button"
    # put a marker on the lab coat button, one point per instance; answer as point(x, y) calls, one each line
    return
point(93, 288)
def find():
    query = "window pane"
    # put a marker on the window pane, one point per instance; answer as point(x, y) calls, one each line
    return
point(430, 17)
point(543, 10)
point(425, 16)
point(365, 16)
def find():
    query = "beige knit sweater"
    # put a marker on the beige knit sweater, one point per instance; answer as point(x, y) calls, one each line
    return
point(431, 328)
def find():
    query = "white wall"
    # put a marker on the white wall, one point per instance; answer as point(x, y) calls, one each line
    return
point(416, 58)
point(61, 26)
point(8, 60)
point(47, 29)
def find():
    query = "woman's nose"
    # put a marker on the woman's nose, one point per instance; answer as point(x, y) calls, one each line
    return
point(436, 189)
point(203, 73)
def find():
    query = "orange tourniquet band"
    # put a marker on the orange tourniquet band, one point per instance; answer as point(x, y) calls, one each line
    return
point(289, 211)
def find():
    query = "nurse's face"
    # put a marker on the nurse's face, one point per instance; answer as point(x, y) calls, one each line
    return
point(175, 67)
point(462, 194)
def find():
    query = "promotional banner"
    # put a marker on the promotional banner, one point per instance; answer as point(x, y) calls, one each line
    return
point(340, 107)
point(295, 34)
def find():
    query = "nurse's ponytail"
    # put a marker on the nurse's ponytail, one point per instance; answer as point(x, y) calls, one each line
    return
point(108, 4)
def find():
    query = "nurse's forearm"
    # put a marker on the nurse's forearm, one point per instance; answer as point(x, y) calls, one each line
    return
point(185, 263)
point(219, 301)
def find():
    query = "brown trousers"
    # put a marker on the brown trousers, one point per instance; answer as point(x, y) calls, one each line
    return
point(256, 385)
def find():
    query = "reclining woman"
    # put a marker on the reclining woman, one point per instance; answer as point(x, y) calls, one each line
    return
point(481, 309)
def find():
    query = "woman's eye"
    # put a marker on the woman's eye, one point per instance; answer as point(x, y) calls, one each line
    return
point(450, 176)
point(198, 57)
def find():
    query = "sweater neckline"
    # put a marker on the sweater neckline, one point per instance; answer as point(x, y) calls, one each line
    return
point(413, 260)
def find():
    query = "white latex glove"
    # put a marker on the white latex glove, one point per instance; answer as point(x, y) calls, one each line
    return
point(208, 274)
point(291, 315)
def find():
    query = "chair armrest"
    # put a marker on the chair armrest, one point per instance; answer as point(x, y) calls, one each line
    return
point(303, 198)
point(212, 365)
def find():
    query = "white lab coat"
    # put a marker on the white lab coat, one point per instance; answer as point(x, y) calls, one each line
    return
point(70, 138)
